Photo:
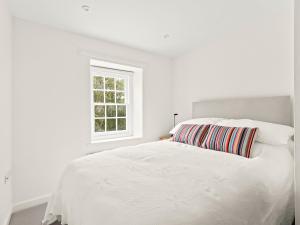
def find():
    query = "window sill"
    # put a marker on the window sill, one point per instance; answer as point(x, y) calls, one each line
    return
point(115, 139)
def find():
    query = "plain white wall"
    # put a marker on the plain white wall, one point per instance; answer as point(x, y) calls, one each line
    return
point(297, 109)
point(51, 102)
point(6, 108)
point(252, 58)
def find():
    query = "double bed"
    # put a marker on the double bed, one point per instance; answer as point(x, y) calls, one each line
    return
point(171, 183)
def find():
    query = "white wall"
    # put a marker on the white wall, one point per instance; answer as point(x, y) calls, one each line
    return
point(51, 102)
point(252, 58)
point(6, 109)
point(297, 110)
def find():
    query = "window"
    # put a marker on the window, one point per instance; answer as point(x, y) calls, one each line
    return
point(114, 88)
point(111, 102)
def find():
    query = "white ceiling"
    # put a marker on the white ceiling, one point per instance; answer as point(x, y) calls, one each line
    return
point(143, 23)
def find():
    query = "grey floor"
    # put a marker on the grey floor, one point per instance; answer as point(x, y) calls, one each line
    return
point(32, 216)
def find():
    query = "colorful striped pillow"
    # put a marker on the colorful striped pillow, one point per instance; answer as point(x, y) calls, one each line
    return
point(191, 134)
point(235, 140)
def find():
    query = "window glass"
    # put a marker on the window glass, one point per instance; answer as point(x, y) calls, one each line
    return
point(110, 106)
point(98, 83)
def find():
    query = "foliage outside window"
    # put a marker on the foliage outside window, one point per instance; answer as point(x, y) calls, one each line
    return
point(110, 102)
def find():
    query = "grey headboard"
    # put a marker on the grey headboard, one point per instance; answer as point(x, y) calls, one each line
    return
point(276, 109)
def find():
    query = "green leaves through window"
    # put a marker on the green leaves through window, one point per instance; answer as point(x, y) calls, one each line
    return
point(109, 103)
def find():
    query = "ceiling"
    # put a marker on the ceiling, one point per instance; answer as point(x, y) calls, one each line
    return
point(143, 24)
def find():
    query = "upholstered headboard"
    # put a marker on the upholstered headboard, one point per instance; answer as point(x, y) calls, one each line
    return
point(276, 109)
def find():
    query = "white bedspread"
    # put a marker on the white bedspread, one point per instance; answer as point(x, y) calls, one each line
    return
point(167, 183)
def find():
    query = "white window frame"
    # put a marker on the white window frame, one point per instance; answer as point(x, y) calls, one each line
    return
point(136, 96)
point(115, 73)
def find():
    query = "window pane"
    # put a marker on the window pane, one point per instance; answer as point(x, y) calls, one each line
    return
point(120, 84)
point(98, 83)
point(120, 97)
point(122, 124)
point(110, 83)
point(111, 111)
point(121, 110)
point(111, 124)
point(99, 111)
point(99, 125)
point(98, 96)
point(110, 97)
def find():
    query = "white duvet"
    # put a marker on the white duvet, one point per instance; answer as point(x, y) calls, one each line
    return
point(168, 183)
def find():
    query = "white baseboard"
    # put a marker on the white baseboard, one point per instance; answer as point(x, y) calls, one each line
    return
point(30, 203)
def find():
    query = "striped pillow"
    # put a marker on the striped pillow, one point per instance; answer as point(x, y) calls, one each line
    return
point(191, 134)
point(235, 140)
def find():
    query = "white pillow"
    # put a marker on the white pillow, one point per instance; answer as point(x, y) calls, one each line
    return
point(198, 121)
point(268, 133)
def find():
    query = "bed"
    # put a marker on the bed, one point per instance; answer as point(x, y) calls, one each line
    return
point(170, 183)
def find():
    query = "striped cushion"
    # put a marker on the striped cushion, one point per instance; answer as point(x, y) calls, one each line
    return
point(235, 140)
point(191, 134)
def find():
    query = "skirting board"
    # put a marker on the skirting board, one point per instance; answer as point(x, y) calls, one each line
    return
point(31, 203)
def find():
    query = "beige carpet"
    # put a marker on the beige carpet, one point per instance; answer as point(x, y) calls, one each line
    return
point(32, 216)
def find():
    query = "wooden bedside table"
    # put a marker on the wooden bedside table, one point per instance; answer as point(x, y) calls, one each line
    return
point(165, 137)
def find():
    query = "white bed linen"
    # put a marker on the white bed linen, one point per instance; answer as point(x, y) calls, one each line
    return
point(169, 183)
